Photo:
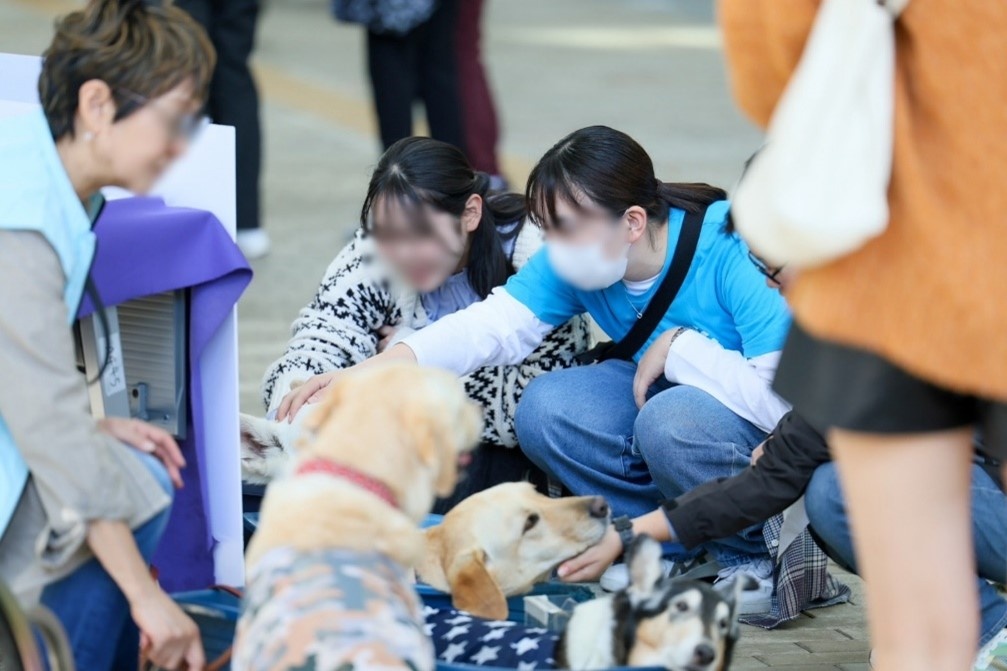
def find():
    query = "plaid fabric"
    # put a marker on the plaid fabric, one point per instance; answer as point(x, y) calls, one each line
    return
point(800, 574)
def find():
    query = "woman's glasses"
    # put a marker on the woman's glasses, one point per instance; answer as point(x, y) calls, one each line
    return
point(185, 127)
point(771, 272)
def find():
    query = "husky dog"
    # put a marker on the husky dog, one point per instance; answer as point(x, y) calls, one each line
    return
point(672, 624)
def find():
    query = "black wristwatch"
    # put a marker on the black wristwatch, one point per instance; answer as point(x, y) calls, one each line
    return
point(624, 527)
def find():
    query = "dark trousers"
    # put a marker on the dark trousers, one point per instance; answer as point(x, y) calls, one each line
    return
point(479, 117)
point(234, 100)
point(419, 64)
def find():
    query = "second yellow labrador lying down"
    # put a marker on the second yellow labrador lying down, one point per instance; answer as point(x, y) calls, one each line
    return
point(502, 541)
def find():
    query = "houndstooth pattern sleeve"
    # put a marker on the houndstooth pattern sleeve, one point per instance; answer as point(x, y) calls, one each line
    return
point(338, 328)
point(498, 389)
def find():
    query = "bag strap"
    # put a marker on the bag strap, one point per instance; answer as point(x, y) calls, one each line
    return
point(894, 7)
point(657, 308)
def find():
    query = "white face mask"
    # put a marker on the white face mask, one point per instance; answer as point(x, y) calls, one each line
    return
point(586, 266)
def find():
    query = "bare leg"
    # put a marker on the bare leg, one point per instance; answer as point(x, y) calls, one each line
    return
point(908, 500)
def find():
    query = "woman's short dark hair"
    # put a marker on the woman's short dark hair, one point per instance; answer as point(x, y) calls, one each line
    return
point(419, 171)
point(139, 47)
point(613, 171)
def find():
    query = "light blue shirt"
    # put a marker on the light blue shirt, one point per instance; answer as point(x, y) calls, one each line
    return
point(723, 297)
point(457, 292)
point(454, 295)
point(36, 195)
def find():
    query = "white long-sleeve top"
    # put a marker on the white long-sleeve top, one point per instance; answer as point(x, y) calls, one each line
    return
point(501, 331)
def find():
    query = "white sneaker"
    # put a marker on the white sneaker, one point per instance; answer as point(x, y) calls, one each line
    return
point(993, 655)
point(616, 577)
point(758, 600)
point(254, 243)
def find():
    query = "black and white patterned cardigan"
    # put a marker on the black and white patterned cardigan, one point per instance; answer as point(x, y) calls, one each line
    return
point(358, 295)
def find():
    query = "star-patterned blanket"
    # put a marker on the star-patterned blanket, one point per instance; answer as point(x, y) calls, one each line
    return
point(460, 638)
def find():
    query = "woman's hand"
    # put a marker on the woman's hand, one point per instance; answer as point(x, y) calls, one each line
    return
point(309, 391)
point(313, 390)
point(168, 638)
point(592, 562)
point(651, 366)
point(386, 333)
point(150, 439)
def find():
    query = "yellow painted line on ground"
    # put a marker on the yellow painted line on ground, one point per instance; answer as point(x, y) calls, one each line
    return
point(280, 87)
point(52, 8)
point(349, 112)
point(637, 38)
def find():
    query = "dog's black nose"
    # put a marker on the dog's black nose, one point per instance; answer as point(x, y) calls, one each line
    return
point(598, 507)
point(704, 653)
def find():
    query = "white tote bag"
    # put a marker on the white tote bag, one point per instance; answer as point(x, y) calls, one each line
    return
point(819, 187)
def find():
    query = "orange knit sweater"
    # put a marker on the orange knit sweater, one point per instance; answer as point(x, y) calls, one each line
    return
point(930, 294)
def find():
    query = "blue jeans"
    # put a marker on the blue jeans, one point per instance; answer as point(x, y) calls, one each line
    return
point(826, 510)
point(91, 606)
point(582, 427)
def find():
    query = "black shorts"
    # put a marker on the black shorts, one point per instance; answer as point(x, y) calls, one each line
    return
point(835, 386)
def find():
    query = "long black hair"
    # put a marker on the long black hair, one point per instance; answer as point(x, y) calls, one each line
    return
point(419, 171)
point(612, 170)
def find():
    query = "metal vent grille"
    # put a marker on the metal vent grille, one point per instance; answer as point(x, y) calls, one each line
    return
point(152, 331)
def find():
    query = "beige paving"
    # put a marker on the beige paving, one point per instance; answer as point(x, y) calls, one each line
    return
point(650, 67)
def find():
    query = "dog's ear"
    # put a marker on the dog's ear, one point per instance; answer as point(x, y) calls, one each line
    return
point(432, 437)
point(263, 453)
point(644, 561)
point(731, 592)
point(473, 588)
point(257, 435)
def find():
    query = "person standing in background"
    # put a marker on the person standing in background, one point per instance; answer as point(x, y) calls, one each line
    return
point(410, 55)
point(479, 116)
point(234, 101)
point(897, 352)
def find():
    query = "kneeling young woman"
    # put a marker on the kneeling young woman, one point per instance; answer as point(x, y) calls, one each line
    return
point(694, 401)
point(433, 240)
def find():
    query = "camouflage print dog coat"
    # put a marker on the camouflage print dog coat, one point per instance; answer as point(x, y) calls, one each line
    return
point(331, 610)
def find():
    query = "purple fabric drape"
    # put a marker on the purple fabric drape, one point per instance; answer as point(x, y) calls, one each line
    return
point(145, 248)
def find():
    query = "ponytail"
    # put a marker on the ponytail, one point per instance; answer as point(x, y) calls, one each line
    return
point(692, 196)
point(489, 266)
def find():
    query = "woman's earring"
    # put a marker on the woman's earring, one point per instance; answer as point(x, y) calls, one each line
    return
point(88, 136)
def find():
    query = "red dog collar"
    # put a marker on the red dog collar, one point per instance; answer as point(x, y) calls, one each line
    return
point(362, 480)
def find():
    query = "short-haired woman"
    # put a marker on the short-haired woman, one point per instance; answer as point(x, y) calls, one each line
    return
point(83, 503)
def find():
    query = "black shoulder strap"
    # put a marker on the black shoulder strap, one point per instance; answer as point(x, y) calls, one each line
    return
point(640, 332)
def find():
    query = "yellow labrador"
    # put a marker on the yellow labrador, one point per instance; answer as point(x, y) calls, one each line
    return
point(502, 541)
point(329, 569)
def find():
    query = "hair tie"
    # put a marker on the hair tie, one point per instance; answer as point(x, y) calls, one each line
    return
point(481, 183)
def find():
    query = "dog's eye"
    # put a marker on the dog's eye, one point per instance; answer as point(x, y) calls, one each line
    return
point(723, 624)
point(530, 522)
point(682, 606)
